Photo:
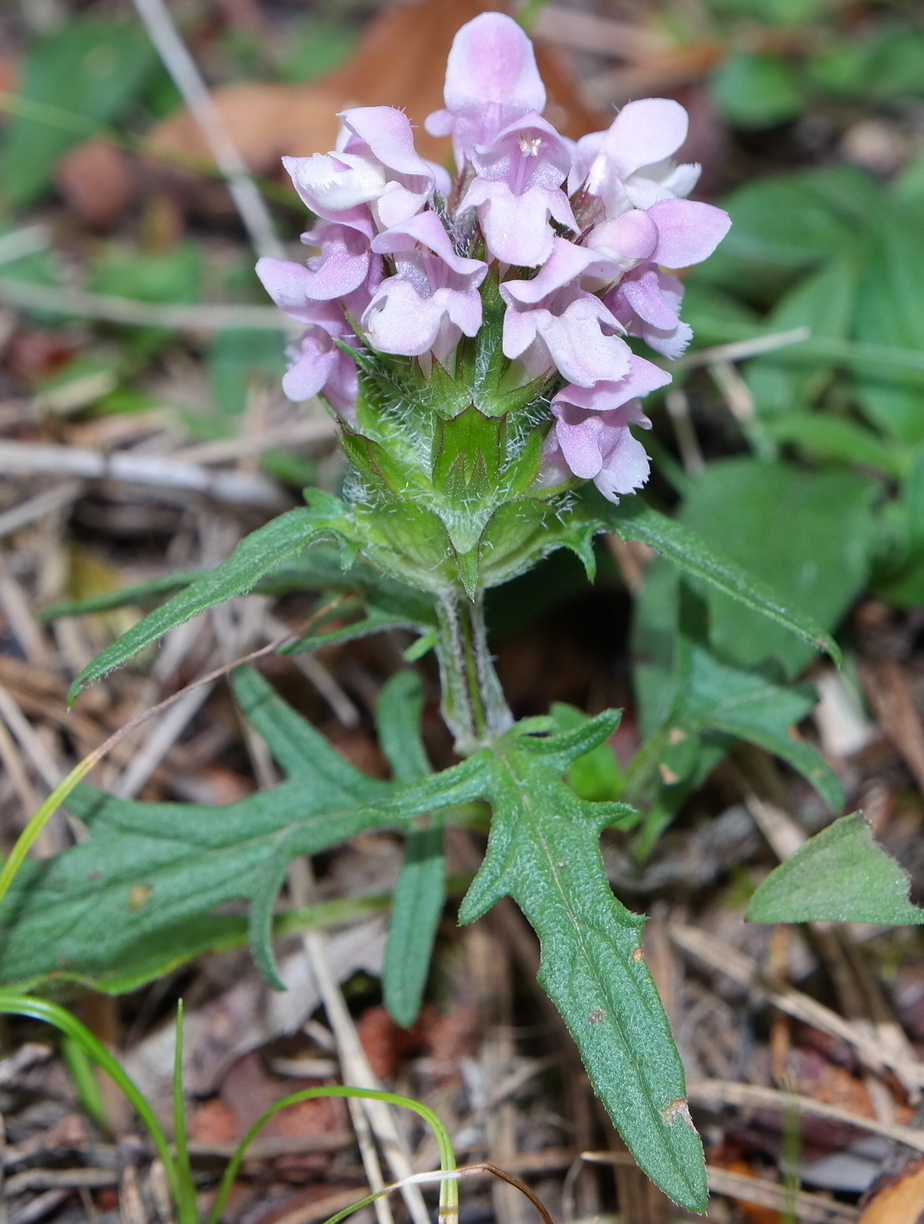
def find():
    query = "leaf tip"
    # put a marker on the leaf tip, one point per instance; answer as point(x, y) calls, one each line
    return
point(831, 648)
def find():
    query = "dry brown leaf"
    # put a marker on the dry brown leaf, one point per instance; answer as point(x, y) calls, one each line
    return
point(9, 76)
point(266, 121)
point(98, 182)
point(213, 1123)
point(898, 1202)
point(752, 1211)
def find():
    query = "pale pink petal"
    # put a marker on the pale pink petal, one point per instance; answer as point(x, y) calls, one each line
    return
point(287, 284)
point(580, 440)
point(515, 227)
point(582, 346)
point(643, 378)
point(688, 231)
point(565, 264)
point(520, 328)
point(427, 229)
point(389, 135)
point(643, 295)
point(632, 236)
point(399, 320)
point(626, 466)
point(492, 61)
point(643, 133)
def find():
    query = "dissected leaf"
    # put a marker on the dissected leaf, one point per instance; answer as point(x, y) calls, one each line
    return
point(543, 851)
point(693, 554)
point(258, 554)
point(596, 775)
point(842, 874)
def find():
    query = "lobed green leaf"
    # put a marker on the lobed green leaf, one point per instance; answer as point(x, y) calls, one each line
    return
point(543, 851)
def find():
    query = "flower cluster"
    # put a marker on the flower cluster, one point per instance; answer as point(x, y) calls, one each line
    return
point(577, 237)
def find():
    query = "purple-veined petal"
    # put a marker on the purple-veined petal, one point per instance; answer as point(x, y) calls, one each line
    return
point(343, 264)
point(318, 366)
point(642, 293)
point(671, 336)
point(580, 437)
point(289, 285)
point(599, 446)
point(313, 362)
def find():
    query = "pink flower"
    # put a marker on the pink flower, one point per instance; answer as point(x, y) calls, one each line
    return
point(491, 81)
point(647, 304)
point(377, 166)
point(628, 165)
point(433, 297)
point(517, 187)
point(551, 322)
point(395, 271)
point(598, 446)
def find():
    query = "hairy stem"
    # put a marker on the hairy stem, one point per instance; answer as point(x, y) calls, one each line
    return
point(473, 701)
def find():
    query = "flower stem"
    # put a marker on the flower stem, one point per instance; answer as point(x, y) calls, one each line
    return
point(473, 701)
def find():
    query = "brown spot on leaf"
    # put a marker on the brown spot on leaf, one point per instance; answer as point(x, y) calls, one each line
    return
point(139, 897)
point(678, 1109)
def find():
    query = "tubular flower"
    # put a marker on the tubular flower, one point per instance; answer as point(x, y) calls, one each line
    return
point(432, 299)
point(533, 267)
